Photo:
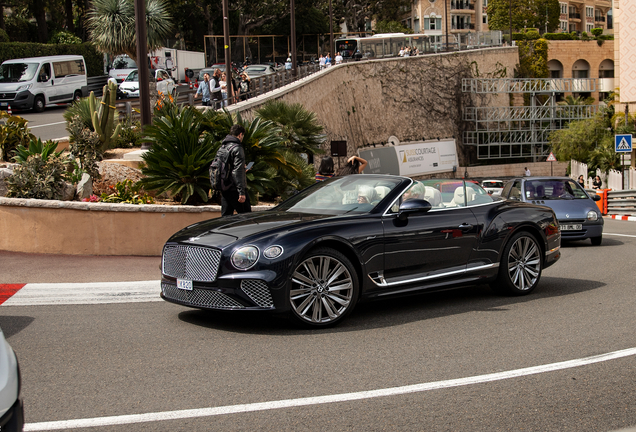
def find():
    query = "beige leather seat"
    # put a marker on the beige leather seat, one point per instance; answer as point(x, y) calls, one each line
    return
point(433, 196)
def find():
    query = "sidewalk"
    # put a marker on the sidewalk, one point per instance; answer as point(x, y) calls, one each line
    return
point(622, 217)
point(22, 268)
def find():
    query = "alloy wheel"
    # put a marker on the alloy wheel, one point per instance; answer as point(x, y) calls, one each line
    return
point(524, 263)
point(323, 289)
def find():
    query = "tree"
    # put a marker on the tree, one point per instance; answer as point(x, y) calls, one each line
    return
point(111, 24)
point(525, 14)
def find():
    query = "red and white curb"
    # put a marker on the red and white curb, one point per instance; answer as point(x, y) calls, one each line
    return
point(40, 294)
point(621, 217)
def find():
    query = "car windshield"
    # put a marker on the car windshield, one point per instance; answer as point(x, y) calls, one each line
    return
point(351, 194)
point(492, 184)
point(553, 189)
point(132, 77)
point(124, 63)
point(17, 72)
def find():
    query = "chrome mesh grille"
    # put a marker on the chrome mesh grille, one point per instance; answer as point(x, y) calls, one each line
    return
point(259, 293)
point(200, 297)
point(191, 262)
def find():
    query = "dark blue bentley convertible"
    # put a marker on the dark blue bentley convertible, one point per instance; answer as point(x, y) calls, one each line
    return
point(356, 238)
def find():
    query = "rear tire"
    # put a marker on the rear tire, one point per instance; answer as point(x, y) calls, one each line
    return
point(38, 104)
point(77, 96)
point(521, 265)
point(596, 241)
point(323, 289)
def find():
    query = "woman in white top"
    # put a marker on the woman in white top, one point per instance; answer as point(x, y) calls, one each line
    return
point(223, 84)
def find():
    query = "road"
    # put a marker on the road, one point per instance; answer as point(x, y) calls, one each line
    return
point(561, 359)
point(48, 124)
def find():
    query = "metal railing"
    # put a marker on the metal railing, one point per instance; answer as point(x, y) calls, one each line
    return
point(531, 85)
point(621, 202)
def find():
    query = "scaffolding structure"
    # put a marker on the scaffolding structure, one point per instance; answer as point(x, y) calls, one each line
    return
point(523, 131)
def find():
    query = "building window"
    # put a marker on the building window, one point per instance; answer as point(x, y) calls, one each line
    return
point(563, 25)
point(484, 19)
point(589, 12)
point(564, 8)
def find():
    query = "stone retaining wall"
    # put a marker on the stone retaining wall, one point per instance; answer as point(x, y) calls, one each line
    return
point(81, 228)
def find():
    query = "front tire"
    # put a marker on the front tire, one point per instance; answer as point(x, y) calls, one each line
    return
point(323, 289)
point(38, 104)
point(77, 96)
point(521, 265)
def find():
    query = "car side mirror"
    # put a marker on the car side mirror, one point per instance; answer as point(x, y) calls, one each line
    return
point(413, 206)
point(596, 197)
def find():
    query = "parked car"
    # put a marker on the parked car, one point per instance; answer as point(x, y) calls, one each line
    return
point(258, 70)
point(11, 408)
point(210, 70)
point(130, 87)
point(356, 238)
point(579, 216)
point(493, 187)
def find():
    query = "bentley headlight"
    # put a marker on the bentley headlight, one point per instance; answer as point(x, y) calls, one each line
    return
point(592, 215)
point(245, 257)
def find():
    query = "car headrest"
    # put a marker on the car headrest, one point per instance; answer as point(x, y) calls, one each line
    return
point(432, 195)
point(381, 191)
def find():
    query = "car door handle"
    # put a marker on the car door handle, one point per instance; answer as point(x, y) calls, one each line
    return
point(465, 226)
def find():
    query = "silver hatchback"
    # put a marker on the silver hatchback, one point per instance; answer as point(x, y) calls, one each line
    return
point(11, 408)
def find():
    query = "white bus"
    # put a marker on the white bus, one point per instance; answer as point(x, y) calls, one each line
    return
point(381, 45)
point(40, 81)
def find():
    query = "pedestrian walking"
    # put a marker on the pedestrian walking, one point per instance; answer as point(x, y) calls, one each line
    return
point(244, 86)
point(355, 165)
point(204, 90)
point(236, 197)
point(527, 172)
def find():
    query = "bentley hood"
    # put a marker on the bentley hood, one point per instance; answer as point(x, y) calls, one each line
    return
point(221, 232)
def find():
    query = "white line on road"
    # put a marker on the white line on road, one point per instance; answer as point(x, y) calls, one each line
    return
point(316, 400)
point(622, 235)
point(48, 124)
point(39, 294)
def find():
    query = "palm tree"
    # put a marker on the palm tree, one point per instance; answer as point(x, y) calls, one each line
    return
point(112, 25)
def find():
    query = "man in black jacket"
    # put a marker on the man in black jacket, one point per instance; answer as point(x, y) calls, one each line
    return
point(235, 198)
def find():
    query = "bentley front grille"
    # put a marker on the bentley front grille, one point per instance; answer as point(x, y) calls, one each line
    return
point(259, 293)
point(191, 262)
point(200, 298)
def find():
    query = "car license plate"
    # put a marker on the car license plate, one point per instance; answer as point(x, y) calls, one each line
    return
point(4, 103)
point(184, 284)
point(571, 227)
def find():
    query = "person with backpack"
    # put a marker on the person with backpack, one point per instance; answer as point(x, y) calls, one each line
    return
point(228, 173)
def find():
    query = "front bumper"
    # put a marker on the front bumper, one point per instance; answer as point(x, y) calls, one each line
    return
point(22, 100)
point(588, 230)
point(250, 292)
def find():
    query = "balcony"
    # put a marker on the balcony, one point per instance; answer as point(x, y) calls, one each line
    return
point(575, 16)
point(467, 26)
point(599, 19)
point(459, 6)
point(606, 85)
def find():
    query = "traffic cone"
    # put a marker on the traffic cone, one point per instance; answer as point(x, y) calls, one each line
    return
point(191, 85)
point(9, 110)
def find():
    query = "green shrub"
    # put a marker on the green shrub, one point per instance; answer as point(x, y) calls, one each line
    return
point(597, 32)
point(558, 36)
point(127, 192)
point(4, 37)
point(38, 178)
point(518, 36)
point(45, 150)
point(180, 156)
point(94, 59)
point(85, 146)
point(20, 29)
point(12, 134)
point(584, 36)
point(81, 109)
point(129, 135)
point(532, 35)
point(64, 37)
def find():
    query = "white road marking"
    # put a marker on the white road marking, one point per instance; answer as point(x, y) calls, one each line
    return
point(39, 294)
point(316, 400)
point(48, 124)
point(622, 235)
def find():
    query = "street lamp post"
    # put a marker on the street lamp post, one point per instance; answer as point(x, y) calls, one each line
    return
point(293, 38)
point(226, 46)
point(142, 61)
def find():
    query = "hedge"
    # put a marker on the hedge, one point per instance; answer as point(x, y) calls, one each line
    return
point(559, 36)
point(94, 59)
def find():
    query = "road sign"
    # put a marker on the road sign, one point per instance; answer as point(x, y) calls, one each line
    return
point(551, 158)
point(623, 143)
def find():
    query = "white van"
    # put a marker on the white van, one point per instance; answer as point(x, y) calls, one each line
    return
point(40, 81)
